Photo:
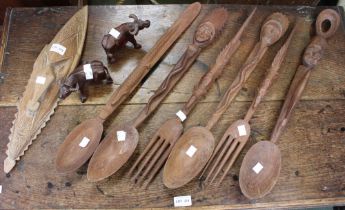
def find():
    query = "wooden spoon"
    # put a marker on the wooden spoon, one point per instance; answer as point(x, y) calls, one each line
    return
point(83, 139)
point(260, 168)
point(194, 148)
point(157, 151)
point(237, 135)
point(112, 153)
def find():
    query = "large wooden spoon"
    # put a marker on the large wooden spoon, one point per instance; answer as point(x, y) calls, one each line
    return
point(113, 152)
point(83, 139)
point(194, 148)
point(260, 168)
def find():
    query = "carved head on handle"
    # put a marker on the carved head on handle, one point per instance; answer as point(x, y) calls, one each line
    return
point(327, 24)
point(274, 28)
point(210, 27)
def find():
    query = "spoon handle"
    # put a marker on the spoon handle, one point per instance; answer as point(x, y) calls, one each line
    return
point(222, 60)
point(312, 54)
point(146, 63)
point(271, 75)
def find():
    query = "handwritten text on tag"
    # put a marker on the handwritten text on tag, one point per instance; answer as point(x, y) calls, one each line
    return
point(183, 201)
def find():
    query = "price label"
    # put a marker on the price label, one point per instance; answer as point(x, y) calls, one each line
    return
point(58, 48)
point(84, 142)
point(191, 151)
point(257, 168)
point(40, 80)
point(181, 115)
point(181, 201)
point(241, 130)
point(115, 33)
point(121, 135)
point(88, 71)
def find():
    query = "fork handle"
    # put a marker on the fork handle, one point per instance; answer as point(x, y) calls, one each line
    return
point(271, 75)
point(248, 67)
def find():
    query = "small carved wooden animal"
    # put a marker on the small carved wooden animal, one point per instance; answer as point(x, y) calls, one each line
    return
point(79, 79)
point(120, 35)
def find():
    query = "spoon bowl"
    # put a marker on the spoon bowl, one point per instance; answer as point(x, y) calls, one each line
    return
point(113, 152)
point(260, 169)
point(79, 145)
point(188, 157)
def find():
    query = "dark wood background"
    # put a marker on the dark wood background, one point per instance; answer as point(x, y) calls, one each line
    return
point(313, 146)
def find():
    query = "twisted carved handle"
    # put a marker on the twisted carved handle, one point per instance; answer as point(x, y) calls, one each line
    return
point(174, 76)
point(312, 54)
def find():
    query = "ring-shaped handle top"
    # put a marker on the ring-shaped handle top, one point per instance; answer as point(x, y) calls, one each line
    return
point(327, 23)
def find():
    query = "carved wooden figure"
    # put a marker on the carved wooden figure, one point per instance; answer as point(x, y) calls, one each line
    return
point(261, 165)
point(120, 35)
point(82, 76)
point(54, 63)
point(111, 155)
point(194, 148)
point(71, 155)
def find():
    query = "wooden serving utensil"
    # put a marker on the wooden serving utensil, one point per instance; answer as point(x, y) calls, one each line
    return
point(237, 135)
point(194, 148)
point(114, 151)
point(82, 141)
point(155, 154)
point(261, 165)
point(40, 98)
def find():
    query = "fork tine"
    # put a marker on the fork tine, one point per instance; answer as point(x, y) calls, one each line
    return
point(215, 152)
point(231, 162)
point(153, 161)
point(228, 141)
point(158, 166)
point(142, 155)
point(147, 158)
point(228, 153)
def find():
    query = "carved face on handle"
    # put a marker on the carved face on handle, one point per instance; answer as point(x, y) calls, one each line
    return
point(205, 32)
point(274, 28)
point(314, 52)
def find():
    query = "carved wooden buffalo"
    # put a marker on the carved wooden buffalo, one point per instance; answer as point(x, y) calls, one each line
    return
point(78, 80)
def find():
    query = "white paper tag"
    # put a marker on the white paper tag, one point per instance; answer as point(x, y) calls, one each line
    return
point(115, 33)
point(257, 168)
point(181, 201)
point(58, 48)
point(191, 151)
point(121, 135)
point(0, 189)
point(40, 80)
point(241, 130)
point(181, 115)
point(88, 71)
point(84, 142)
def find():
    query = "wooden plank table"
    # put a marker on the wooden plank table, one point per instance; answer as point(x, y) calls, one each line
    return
point(313, 146)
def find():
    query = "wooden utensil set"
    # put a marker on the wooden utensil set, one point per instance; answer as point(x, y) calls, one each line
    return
point(185, 155)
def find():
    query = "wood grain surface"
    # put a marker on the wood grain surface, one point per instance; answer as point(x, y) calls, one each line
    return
point(311, 175)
